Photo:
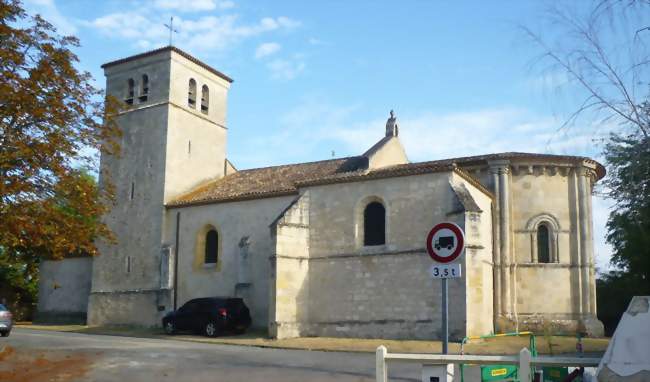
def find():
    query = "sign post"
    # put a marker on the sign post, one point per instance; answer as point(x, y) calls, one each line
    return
point(445, 243)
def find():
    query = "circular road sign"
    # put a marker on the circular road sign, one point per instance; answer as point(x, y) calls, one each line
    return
point(445, 242)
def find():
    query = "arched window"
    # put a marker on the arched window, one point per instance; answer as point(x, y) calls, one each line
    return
point(191, 94)
point(544, 230)
point(205, 99)
point(543, 244)
point(130, 92)
point(144, 88)
point(211, 247)
point(374, 224)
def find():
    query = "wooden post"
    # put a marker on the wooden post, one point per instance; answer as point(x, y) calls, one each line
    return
point(380, 364)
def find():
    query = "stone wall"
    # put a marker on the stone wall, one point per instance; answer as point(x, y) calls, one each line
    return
point(557, 194)
point(385, 291)
point(233, 221)
point(477, 224)
point(289, 278)
point(63, 290)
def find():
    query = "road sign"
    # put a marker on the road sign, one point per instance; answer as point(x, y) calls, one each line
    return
point(445, 271)
point(445, 242)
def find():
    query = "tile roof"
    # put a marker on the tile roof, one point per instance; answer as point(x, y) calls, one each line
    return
point(173, 49)
point(267, 181)
point(285, 180)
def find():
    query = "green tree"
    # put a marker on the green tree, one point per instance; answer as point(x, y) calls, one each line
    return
point(52, 123)
point(628, 226)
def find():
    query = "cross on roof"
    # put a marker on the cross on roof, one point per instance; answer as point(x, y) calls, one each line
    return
point(171, 29)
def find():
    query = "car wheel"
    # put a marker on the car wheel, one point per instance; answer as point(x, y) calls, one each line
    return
point(210, 329)
point(5, 334)
point(170, 328)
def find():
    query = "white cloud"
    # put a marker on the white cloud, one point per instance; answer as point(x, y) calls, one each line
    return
point(50, 12)
point(315, 41)
point(193, 5)
point(283, 69)
point(602, 250)
point(429, 135)
point(200, 34)
point(267, 49)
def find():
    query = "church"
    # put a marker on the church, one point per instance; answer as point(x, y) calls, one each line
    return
point(327, 248)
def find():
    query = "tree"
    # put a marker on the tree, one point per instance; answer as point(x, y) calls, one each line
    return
point(53, 122)
point(603, 51)
point(628, 226)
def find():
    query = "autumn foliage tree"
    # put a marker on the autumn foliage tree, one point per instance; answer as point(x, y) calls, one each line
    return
point(53, 124)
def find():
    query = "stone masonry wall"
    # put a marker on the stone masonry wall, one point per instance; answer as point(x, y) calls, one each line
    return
point(381, 291)
point(233, 221)
point(289, 292)
point(63, 290)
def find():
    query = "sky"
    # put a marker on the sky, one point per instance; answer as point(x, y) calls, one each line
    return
point(317, 79)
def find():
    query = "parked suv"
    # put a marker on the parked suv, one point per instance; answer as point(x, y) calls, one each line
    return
point(210, 316)
point(6, 321)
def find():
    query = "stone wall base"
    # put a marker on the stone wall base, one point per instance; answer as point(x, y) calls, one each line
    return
point(551, 324)
point(138, 307)
point(384, 329)
point(60, 318)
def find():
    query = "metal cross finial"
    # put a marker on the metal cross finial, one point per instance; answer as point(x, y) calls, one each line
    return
point(171, 29)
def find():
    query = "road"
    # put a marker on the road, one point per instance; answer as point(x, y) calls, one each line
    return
point(37, 356)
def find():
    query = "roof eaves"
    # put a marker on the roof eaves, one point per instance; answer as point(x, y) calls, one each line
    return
point(234, 198)
point(172, 49)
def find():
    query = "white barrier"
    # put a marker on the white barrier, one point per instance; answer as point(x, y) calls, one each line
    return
point(524, 360)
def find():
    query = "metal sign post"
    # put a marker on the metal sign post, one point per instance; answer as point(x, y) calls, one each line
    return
point(445, 243)
point(445, 317)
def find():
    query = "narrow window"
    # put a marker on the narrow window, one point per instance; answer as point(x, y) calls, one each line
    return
point(128, 264)
point(189, 147)
point(130, 93)
point(374, 223)
point(211, 246)
point(144, 88)
point(543, 244)
point(191, 94)
point(132, 190)
point(205, 99)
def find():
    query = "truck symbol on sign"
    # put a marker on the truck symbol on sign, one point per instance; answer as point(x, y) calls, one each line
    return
point(444, 242)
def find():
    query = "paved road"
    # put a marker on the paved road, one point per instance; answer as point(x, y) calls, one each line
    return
point(32, 355)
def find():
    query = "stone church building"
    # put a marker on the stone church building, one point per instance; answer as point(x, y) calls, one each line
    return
point(328, 248)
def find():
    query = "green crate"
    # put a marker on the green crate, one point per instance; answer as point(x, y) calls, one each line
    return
point(498, 373)
point(555, 374)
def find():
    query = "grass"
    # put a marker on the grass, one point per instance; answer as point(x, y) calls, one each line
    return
point(504, 345)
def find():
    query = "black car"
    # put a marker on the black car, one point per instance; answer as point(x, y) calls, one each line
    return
point(210, 316)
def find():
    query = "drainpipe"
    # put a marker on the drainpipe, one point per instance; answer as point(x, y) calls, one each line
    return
point(178, 223)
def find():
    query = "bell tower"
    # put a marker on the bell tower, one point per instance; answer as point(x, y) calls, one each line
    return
point(174, 138)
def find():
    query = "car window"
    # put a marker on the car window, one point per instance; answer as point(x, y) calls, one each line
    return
point(189, 307)
point(210, 305)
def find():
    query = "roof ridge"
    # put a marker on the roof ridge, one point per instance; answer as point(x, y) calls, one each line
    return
point(299, 163)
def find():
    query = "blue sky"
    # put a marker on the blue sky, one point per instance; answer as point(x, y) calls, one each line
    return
point(316, 77)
